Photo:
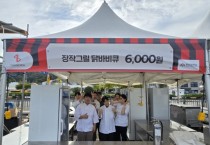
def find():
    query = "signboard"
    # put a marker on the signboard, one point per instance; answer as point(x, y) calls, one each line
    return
point(192, 65)
point(110, 56)
point(18, 60)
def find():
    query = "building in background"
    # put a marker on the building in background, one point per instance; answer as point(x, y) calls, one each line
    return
point(192, 87)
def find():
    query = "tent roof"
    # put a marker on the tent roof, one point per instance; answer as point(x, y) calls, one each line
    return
point(203, 30)
point(105, 24)
point(124, 78)
point(9, 28)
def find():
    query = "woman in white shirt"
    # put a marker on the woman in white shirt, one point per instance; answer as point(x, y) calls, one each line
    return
point(107, 124)
point(121, 120)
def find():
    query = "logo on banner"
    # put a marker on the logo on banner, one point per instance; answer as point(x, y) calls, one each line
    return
point(18, 60)
point(188, 65)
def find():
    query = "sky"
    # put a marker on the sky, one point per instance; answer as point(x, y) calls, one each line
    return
point(172, 17)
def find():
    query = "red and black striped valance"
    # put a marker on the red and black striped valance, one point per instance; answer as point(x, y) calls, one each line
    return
point(190, 49)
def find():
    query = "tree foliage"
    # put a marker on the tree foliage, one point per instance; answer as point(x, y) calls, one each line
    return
point(31, 77)
point(88, 89)
point(162, 85)
point(74, 90)
point(98, 87)
point(138, 86)
point(26, 86)
point(192, 96)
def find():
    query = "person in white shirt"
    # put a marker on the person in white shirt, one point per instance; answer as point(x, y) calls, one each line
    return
point(99, 98)
point(86, 117)
point(107, 124)
point(115, 99)
point(78, 100)
point(96, 103)
point(121, 120)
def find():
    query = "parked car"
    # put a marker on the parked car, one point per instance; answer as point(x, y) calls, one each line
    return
point(71, 111)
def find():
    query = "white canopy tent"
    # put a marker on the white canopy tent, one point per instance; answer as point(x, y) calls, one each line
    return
point(124, 77)
point(203, 30)
point(106, 24)
point(105, 30)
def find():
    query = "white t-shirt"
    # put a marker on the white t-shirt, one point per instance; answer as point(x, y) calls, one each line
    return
point(121, 120)
point(97, 104)
point(107, 124)
point(86, 125)
point(76, 103)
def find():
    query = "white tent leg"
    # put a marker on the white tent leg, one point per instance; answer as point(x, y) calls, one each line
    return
point(177, 87)
point(207, 85)
point(207, 76)
point(2, 97)
point(146, 97)
point(23, 89)
point(128, 88)
point(22, 99)
point(81, 87)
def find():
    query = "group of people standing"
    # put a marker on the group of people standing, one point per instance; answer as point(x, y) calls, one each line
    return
point(108, 117)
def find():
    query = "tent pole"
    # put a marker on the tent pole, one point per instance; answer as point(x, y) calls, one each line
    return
point(81, 87)
point(146, 98)
point(147, 102)
point(22, 98)
point(129, 86)
point(23, 88)
point(3, 95)
point(177, 89)
point(207, 76)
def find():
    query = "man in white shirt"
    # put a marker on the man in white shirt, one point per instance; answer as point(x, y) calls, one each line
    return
point(78, 100)
point(96, 103)
point(87, 118)
point(107, 124)
point(121, 120)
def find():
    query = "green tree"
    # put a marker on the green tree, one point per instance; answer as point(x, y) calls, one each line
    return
point(74, 90)
point(138, 86)
point(20, 86)
point(162, 85)
point(31, 77)
point(109, 86)
point(98, 87)
point(88, 89)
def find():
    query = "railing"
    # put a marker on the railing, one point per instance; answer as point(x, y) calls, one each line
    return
point(26, 103)
point(189, 102)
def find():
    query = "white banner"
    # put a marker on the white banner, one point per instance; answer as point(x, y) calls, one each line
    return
point(110, 56)
point(188, 65)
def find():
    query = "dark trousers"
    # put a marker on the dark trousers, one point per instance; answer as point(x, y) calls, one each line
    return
point(121, 133)
point(97, 129)
point(107, 137)
point(85, 136)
